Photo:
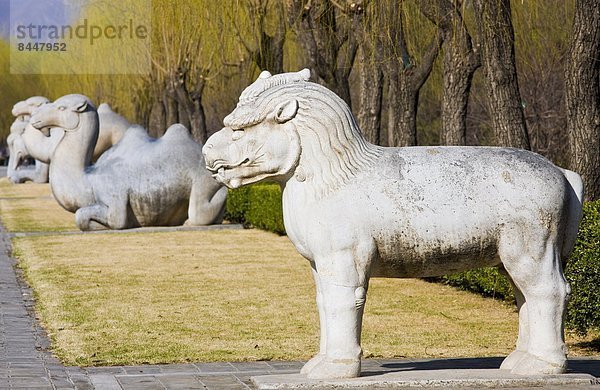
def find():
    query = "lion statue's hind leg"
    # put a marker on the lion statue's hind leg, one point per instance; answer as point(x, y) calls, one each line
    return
point(534, 265)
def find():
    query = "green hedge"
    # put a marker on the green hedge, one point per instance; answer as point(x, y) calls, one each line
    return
point(583, 273)
point(256, 205)
point(488, 282)
point(260, 206)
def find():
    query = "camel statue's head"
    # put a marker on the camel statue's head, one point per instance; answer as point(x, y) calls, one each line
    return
point(259, 140)
point(18, 126)
point(18, 152)
point(65, 113)
point(16, 146)
point(23, 109)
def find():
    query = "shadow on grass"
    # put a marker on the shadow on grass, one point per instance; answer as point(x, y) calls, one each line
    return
point(577, 365)
point(593, 345)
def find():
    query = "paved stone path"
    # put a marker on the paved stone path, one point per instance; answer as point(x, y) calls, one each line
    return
point(25, 362)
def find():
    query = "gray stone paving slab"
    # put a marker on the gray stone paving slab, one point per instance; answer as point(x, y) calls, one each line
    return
point(214, 367)
point(138, 370)
point(104, 382)
point(486, 378)
point(82, 382)
point(140, 382)
point(213, 382)
point(175, 384)
point(179, 368)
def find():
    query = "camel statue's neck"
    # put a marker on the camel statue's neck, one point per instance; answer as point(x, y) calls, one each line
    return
point(69, 161)
point(37, 144)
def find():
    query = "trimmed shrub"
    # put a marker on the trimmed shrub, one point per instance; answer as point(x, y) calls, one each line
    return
point(488, 282)
point(237, 204)
point(257, 205)
point(583, 273)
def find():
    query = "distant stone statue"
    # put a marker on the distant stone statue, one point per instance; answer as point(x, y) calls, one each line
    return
point(112, 128)
point(141, 181)
point(18, 152)
point(357, 210)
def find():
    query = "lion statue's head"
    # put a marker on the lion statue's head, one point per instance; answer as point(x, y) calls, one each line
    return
point(286, 127)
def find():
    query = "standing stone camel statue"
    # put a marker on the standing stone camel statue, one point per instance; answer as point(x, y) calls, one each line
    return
point(356, 210)
point(141, 181)
point(18, 152)
point(112, 128)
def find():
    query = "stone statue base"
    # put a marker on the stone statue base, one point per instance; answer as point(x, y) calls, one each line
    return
point(446, 378)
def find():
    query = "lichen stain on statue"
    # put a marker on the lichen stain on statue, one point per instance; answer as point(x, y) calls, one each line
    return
point(111, 130)
point(140, 181)
point(357, 210)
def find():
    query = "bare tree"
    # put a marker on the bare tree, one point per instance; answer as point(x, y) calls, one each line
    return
point(370, 77)
point(185, 56)
point(371, 84)
point(405, 76)
point(178, 96)
point(264, 47)
point(325, 31)
point(498, 59)
point(541, 43)
point(460, 63)
point(582, 82)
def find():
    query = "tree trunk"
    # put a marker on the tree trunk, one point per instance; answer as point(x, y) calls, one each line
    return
point(267, 52)
point(171, 110)
point(498, 60)
point(371, 93)
point(405, 76)
point(402, 110)
point(460, 63)
point(157, 121)
point(582, 91)
point(325, 31)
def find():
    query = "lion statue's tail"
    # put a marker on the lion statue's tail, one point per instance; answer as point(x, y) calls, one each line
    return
point(575, 212)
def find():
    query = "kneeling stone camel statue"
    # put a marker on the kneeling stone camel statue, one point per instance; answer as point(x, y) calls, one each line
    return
point(112, 126)
point(357, 210)
point(141, 181)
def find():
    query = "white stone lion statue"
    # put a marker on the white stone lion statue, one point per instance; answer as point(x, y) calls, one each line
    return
point(356, 210)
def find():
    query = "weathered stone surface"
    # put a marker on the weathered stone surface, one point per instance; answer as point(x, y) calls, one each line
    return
point(141, 181)
point(357, 210)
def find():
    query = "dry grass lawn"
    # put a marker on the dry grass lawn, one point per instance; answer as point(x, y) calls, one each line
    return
point(30, 207)
point(133, 298)
point(230, 295)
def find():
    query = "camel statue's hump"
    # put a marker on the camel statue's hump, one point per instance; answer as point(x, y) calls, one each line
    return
point(104, 108)
point(176, 142)
point(177, 132)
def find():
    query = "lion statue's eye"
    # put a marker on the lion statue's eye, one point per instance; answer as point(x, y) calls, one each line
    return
point(62, 108)
point(237, 134)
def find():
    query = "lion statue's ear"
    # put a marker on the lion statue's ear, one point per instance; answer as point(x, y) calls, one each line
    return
point(286, 111)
